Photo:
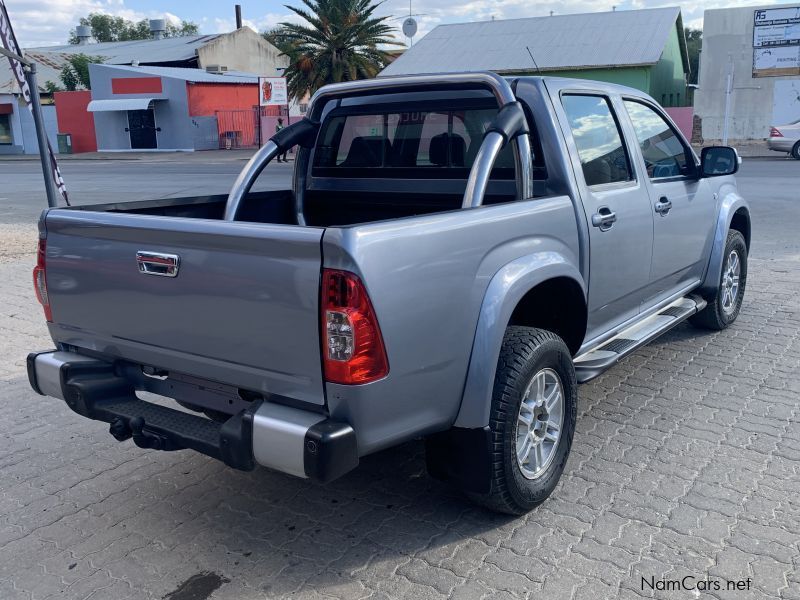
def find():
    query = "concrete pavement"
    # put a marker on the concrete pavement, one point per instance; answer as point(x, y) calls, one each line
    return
point(685, 468)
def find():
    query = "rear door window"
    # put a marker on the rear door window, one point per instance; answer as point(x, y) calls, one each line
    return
point(598, 138)
point(440, 143)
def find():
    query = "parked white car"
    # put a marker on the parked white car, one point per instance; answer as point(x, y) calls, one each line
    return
point(785, 138)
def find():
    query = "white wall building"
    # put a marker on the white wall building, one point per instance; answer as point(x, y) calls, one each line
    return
point(759, 46)
point(17, 131)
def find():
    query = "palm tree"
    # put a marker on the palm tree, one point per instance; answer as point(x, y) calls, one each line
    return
point(340, 42)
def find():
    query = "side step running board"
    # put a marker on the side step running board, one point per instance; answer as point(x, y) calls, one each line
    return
point(591, 364)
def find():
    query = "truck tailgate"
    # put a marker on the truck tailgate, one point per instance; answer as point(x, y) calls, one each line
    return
point(242, 309)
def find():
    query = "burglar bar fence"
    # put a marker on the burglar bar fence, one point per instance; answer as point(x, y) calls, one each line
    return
point(248, 127)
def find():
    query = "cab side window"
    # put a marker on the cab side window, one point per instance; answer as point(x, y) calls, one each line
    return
point(598, 138)
point(664, 153)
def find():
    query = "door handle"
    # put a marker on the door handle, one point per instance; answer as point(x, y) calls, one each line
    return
point(604, 218)
point(663, 206)
point(158, 263)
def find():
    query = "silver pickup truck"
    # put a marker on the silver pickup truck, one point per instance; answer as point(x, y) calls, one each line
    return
point(456, 254)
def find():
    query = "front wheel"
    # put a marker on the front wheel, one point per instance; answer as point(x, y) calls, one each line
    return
point(723, 309)
point(796, 151)
point(532, 420)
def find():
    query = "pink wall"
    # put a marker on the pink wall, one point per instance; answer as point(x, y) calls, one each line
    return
point(682, 115)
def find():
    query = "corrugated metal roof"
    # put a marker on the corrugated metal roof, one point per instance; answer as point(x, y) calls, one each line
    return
point(48, 68)
point(51, 59)
point(145, 51)
point(191, 75)
point(590, 40)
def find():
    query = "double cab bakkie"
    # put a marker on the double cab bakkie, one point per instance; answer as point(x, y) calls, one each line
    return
point(457, 252)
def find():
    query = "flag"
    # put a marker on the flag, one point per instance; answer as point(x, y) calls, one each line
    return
point(9, 41)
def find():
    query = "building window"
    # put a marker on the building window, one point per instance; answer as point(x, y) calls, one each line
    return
point(663, 99)
point(5, 130)
point(670, 100)
point(678, 103)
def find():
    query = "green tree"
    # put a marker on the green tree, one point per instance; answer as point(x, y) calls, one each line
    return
point(51, 87)
point(75, 74)
point(340, 41)
point(694, 41)
point(108, 28)
point(185, 28)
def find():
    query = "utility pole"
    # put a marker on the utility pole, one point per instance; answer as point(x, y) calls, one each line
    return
point(728, 94)
point(41, 137)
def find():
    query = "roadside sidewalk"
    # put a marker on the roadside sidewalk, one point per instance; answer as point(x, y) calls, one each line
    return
point(202, 155)
point(750, 149)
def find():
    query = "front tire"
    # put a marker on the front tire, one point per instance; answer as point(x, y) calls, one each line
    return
point(723, 309)
point(796, 151)
point(532, 420)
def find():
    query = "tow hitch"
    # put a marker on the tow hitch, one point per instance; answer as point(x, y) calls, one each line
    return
point(123, 429)
point(92, 389)
point(290, 440)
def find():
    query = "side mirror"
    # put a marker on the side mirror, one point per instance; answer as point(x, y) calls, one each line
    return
point(719, 160)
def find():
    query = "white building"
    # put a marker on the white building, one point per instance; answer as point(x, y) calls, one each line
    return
point(759, 47)
point(240, 50)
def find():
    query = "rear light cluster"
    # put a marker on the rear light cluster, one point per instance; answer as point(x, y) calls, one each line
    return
point(40, 279)
point(775, 132)
point(353, 350)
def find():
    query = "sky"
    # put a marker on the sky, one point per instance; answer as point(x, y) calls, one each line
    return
point(48, 22)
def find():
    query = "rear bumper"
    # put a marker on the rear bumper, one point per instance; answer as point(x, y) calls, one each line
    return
point(780, 144)
point(294, 441)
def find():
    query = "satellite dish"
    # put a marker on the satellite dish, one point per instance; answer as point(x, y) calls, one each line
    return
point(410, 27)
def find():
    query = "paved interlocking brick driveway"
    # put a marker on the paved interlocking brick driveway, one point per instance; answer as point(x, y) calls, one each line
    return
point(686, 461)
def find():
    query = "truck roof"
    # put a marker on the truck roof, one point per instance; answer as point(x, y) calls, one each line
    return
point(561, 82)
point(582, 83)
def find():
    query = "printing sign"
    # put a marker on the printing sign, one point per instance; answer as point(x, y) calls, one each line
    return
point(776, 42)
point(272, 91)
point(779, 57)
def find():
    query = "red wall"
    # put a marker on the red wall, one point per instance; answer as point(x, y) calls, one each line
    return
point(205, 98)
point(682, 115)
point(136, 85)
point(73, 118)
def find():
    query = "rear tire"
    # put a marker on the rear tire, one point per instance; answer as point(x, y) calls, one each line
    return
point(796, 151)
point(534, 408)
point(723, 309)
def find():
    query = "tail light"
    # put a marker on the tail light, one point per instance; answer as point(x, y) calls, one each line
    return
point(352, 345)
point(774, 132)
point(40, 279)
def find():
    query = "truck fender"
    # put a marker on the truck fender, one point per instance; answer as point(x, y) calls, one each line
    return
point(730, 203)
point(506, 288)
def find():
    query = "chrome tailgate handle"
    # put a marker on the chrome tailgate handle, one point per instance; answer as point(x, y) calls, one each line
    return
point(158, 263)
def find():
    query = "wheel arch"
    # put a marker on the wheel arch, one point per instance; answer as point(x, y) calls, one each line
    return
point(734, 213)
point(558, 305)
point(539, 290)
point(740, 221)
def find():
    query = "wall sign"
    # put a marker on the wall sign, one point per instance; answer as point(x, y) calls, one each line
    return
point(272, 91)
point(776, 42)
